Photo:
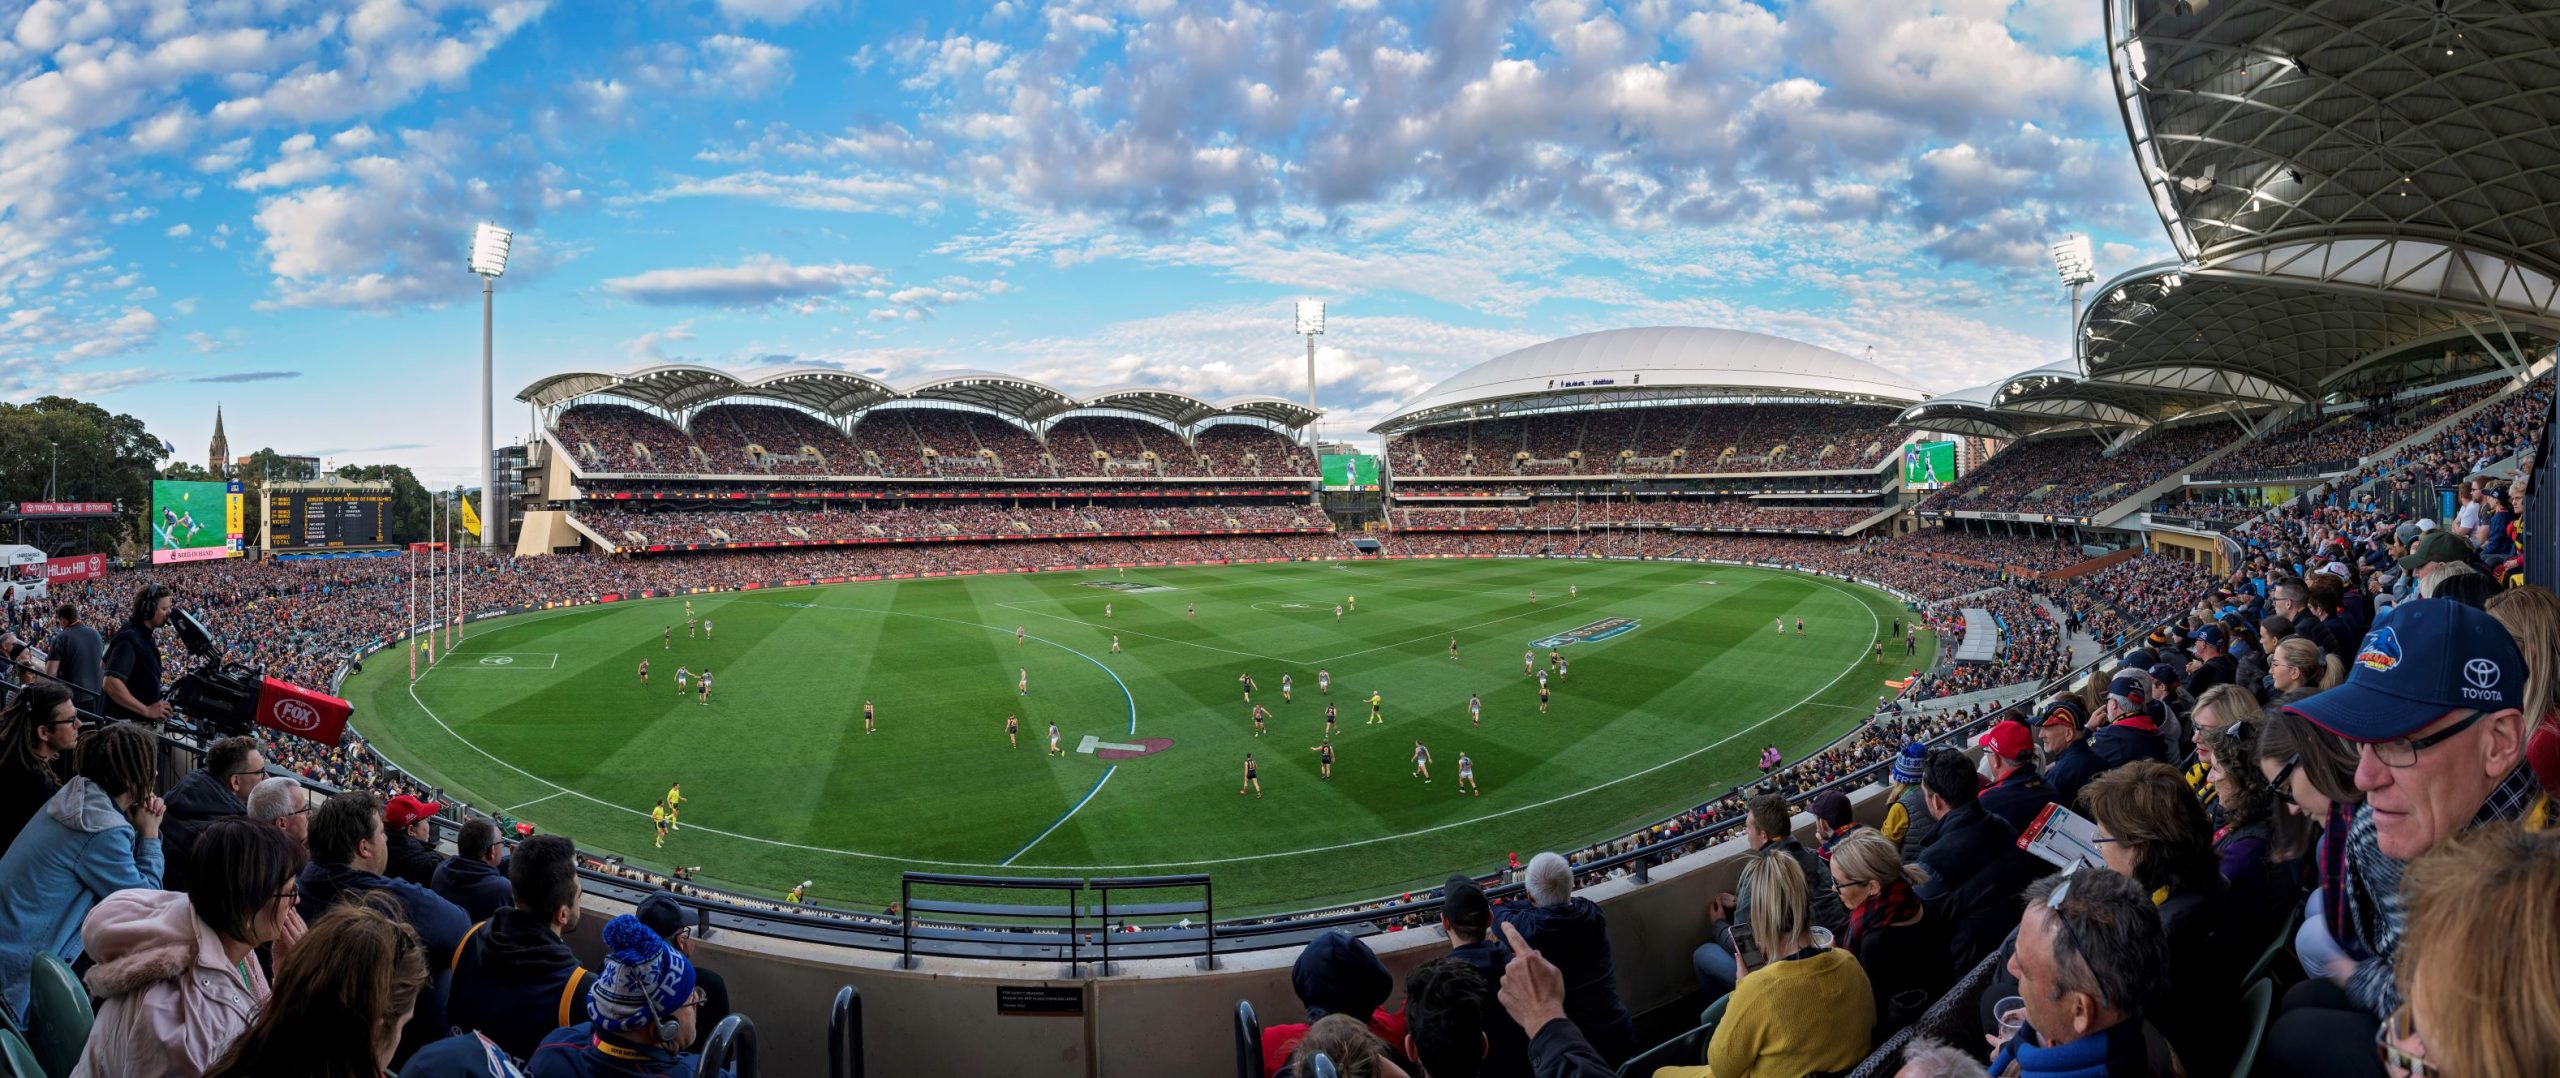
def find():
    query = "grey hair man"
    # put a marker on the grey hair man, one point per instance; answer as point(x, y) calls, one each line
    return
point(1571, 933)
point(2090, 951)
point(282, 803)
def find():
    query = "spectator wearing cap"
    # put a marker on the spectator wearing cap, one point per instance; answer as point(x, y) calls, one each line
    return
point(643, 1010)
point(2213, 664)
point(1907, 819)
point(2132, 732)
point(348, 851)
point(1765, 829)
point(1335, 974)
point(2440, 556)
point(1467, 918)
point(472, 878)
point(669, 919)
point(513, 977)
point(2069, 762)
point(1570, 932)
point(1833, 820)
point(2497, 538)
point(1974, 866)
point(413, 852)
point(2015, 793)
point(232, 767)
point(2433, 703)
point(2090, 955)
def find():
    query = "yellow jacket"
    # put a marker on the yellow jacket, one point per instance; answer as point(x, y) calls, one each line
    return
point(1792, 1018)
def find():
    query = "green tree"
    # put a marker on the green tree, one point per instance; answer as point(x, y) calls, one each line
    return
point(408, 498)
point(83, 453)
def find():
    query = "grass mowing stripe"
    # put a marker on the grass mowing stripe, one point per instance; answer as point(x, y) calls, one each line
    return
point(1062, 819)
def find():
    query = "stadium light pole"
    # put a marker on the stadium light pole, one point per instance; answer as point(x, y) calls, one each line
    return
point(2077, 265)
point(1311, 326)
point(489, 246)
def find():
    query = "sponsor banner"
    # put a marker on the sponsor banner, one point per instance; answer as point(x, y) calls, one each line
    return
point(305, 713)
point(209, 553)
point(66, 509)
point(1593, 633)
point(75, 567)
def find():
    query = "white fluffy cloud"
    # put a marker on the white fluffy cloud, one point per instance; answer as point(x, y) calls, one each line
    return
point(756, 282)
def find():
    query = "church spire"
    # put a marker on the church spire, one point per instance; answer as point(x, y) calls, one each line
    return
point(220, 465)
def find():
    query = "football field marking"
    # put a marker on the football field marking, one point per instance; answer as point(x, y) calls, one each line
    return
point(505, 660)
point(1875, 624)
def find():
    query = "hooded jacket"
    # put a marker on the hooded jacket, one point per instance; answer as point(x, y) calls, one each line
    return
point(1573, 935)
point(476, 886)
point(1976, 873)
point(439, 924)
point(173, 1001)
point(198, 800)
point(513, 980)
point(78, 850)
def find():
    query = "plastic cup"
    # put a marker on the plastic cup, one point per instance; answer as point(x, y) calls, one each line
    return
point(2012, 1012)
point(1822, 941)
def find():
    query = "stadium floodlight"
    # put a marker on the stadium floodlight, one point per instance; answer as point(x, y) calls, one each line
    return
point(2077, 264)
point(489, 247)
point(1310, 326)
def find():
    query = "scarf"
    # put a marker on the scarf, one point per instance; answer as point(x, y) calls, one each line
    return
point(1894, 902)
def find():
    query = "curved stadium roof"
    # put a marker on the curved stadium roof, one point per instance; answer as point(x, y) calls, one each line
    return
point(835, 394)
point(1657, 363)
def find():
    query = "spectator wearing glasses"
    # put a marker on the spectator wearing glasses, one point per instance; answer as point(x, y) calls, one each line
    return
point(2069, 762)
point(219, 789)
point(2089, 956)
point(283, 804)
point(405, 825)
point(2153, 831)
point(1801, 1007)
point(641, 1014)
point(2483, 994)
point(1902, 948)
point(38, 730)
point(2016, 794)
point(2259, 842)
point(340, 1000)
point(2434, 706)
point(176, 970)
point(98, 835)
point(673, 923)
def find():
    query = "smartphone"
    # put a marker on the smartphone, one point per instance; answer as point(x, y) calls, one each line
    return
point(1746, 947)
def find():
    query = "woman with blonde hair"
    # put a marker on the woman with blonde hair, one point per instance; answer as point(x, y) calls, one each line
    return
point(340, 999)
point(1799, 1007)
point(2298, 664)
point(1902, 949)
point(2532, 616)
point(2483, 996)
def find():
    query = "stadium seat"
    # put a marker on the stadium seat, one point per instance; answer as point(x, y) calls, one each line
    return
point(2276, 948)
point(2257, 1012)
point(1686, 1050)
point(16, 1059)
point(58, 1015)
point(1248, 1041)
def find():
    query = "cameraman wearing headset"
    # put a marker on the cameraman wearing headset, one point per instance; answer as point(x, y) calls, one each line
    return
point(133, 658)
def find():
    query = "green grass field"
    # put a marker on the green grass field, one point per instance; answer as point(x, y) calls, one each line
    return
point(543, 715)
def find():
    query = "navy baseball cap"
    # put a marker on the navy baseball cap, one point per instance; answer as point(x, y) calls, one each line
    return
point(2129, 689)
point(2435, 656)
point(2209, 633)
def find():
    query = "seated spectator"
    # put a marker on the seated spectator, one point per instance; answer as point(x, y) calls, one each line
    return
point(1575, 936)
point(2090, 955)
point(2017, 794)
point(1834, 820)
point(283, 804)
point(413, 854)
point(1801, 1006)
point(2434, 708)
point(2314, 773)
point(2260, 846)
point(1902, 948)
point(2213, 664)
point(668, 918)
point(470, 878)
point(514, 979)
point(2483, 994)
point(1533, 994)
point(340, 999)
point(1923, 1057)
point(1335, 974)
point(1765, 829)
point(2131, 730)
point(38, 730)
point(2532, 616)
point(2296, 663)
point(99, 834)
point(1908, 822)
point(1445, 1024)
point(175, 973)
point(2153, 831)
point(348, 852)
point(1466, 917)
point(2062, 732)
point(2214, 712)
point(1352, 1048)
point(640, 1015)
point(219, 789)
point(1974, 867)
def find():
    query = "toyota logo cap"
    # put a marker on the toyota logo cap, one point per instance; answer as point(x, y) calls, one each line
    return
point(2432, 656)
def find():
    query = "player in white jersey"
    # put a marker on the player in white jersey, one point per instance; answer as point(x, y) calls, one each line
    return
point(1115, 643)
point(1467, 775)
point(1528, 662)
point(1422, 762)
point(1017, 636)
point(1782, 625)
point(684, 680)
point(1021, 681)
point(1286, 687)
point(1573, 591)
point(1475, 710)
point(1564, 668)
point(1054, 748)
point(706, 628)
point(1324, 682)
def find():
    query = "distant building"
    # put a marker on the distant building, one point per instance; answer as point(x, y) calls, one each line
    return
point(221, 453)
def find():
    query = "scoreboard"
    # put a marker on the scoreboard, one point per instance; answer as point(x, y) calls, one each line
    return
point(308, 520)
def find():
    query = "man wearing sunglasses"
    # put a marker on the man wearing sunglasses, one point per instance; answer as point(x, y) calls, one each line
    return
point(2432, 704)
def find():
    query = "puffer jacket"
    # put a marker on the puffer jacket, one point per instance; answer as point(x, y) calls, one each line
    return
point(173, 1001)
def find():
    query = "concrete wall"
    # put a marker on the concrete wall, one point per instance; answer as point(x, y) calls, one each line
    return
point(1152, 1017)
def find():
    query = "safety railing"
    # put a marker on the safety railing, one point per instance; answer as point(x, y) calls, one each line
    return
point(844, 1034)
point(1036, 925)
point(730, 1050)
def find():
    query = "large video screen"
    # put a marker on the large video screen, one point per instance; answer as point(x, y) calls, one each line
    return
point(1349, 471)
point(311, 520)
point(194, 521)
point(1928, 465)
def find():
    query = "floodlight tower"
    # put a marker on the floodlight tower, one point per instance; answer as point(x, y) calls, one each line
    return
point(2078, 267)
point(1311, 326)
point(489, 245)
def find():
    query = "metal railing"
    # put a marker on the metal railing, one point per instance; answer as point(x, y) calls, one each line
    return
point(730, 1050)
point(1079, 916)
point(844, 1034)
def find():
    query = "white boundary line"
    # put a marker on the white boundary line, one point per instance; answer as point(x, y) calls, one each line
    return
point(1062, 820)
point(535, 801)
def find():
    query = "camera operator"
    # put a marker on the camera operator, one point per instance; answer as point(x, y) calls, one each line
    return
point(133, 658)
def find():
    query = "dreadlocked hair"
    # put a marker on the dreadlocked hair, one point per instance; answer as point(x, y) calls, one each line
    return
point(120, 758)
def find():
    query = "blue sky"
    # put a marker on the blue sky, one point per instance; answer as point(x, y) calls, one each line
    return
point(265, 203)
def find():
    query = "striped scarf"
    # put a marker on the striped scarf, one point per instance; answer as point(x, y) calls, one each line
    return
point(1894, 902)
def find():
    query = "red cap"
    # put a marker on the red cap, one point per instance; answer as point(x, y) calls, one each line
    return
point(405, 810)
point(2008, 739)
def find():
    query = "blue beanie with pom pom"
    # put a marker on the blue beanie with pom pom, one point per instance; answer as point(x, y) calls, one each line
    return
point(644, 980)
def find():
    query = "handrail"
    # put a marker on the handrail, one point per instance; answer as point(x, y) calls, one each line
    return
point(732, 1041)
point(844, 1034)
point(1248, 1041)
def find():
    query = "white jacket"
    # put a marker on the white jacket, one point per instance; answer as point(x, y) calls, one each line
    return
point(173, 1002)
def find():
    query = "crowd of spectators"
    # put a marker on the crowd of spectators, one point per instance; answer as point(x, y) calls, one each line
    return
point(2073, 474)
point(2042, 554)
point(1683, 439)
point(917, 443)
point(2341, 440)
point(1729, 514)
point(863, 523)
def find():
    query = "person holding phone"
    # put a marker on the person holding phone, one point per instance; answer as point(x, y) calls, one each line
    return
point(1800, 1006)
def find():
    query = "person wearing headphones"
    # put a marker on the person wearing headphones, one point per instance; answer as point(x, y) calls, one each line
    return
point(641, 1013)
point(133, 658)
